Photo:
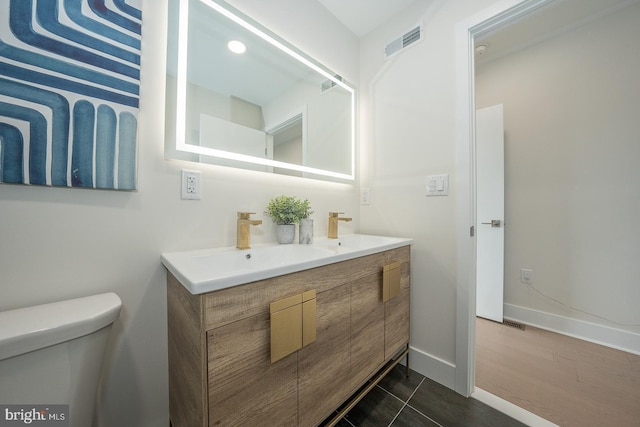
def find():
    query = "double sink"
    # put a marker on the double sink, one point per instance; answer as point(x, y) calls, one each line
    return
point(207, 270)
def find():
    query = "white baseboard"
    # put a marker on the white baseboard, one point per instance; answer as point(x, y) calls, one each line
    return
point(599, 334)
point(432, 367)
point(510, 409)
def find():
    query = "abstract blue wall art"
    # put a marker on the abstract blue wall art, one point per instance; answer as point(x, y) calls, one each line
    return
point(69, 92)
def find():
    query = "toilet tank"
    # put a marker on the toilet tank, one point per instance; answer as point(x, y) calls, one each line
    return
point(52, 354)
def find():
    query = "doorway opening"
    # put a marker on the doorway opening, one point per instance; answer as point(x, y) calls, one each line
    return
point(470, 251)
point(466, 34)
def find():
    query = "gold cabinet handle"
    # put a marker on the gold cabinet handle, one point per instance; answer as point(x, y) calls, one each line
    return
point(286, 327)
point(309, 316)
point(293, 324)
point(391, 281)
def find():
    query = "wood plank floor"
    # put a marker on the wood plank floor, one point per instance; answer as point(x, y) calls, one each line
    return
point(567, 381)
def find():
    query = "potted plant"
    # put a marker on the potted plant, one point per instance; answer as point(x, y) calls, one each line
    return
point(286, 211)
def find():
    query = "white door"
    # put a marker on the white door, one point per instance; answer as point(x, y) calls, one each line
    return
point(490, 212)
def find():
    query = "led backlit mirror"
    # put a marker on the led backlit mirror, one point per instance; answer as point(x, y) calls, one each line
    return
point(271, 108)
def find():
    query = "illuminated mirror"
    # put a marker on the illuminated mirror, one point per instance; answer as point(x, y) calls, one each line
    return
point(263, 105)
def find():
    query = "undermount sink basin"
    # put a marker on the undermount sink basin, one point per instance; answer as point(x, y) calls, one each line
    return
point(209, 270)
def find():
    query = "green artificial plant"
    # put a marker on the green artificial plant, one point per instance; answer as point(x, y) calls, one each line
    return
point(288, 209)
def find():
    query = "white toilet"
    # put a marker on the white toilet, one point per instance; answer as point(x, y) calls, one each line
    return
point(52, 354)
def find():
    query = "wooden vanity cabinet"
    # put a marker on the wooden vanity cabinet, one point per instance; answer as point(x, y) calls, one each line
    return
point(324, 365)
point(396, 316)
point(220, 370)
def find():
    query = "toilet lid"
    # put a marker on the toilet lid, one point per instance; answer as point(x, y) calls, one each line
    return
point(31, 328)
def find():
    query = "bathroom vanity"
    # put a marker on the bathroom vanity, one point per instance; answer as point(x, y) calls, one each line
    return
point(283, 345)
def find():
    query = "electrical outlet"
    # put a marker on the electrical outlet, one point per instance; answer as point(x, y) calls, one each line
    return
point(190, 185)
point(526, 276)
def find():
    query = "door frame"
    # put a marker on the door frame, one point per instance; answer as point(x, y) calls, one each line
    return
point(501, 13)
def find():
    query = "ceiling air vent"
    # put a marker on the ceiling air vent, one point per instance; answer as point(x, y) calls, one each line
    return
point(412, 36)
point(328, 84)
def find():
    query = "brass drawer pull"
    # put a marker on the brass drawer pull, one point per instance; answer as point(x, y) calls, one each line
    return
point(391, 281)
point(293, 324)
point(309, 315)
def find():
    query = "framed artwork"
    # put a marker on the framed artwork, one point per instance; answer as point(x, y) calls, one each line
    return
point(69, 92)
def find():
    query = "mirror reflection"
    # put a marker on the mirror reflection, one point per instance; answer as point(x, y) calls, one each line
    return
point(238, 95)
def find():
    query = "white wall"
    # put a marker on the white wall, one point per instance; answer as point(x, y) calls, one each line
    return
point(408, 132)
point(571, 152)
point(61, 243)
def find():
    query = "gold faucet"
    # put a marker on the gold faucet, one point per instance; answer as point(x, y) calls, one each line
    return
point(333, 224)
point(243, 229)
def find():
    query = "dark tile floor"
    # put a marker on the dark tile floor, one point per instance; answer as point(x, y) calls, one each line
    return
point(418, 401)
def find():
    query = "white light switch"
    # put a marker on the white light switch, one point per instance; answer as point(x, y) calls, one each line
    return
point(365, 196)
point(438, 185)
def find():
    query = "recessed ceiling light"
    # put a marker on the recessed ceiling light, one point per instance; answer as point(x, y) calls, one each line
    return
point(236, 46)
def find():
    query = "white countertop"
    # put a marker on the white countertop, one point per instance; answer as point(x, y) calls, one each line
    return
point(207, 270)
